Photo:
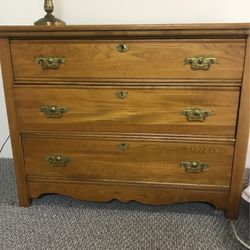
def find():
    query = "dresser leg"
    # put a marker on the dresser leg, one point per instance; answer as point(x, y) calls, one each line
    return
point(232, 213)
point(24, 202)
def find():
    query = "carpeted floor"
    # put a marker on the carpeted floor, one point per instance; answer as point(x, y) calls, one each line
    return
point(57, 222)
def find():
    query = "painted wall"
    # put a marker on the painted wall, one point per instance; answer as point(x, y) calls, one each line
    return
point(16, 12)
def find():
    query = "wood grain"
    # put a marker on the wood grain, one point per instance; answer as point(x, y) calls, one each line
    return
point(146, 110)
point(133, 31)
point(88, 82)
point(241, 143)
point(155, 195)
point(159, 84)
point(144, 60)
point(101, 159)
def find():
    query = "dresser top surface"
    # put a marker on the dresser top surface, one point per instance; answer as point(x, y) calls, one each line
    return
point(166, 30)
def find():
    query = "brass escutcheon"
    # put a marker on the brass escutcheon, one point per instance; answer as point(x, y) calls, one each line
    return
point(122, 94)
point(196, 114)
point(49, 62)
point(194, 166)
point(200, 62)
point(122, 48)
point(57, 160)
point(123, 146)
point(53, 111)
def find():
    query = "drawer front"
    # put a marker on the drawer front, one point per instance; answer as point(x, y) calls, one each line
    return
point(139, 60)
point(129, 160)
point(131, 110)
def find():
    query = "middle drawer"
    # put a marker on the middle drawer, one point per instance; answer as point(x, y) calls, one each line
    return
point(166, 110)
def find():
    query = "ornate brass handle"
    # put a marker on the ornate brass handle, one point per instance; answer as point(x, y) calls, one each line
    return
point(194, 166)
point(200, 62)
point(196, 114)
point(53, 111)
point(49, 62)
point(57, 160)
point(122, 48)
point(122, 94)
point(123, 146)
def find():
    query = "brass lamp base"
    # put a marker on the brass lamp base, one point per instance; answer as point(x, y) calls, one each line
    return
point(49, 19)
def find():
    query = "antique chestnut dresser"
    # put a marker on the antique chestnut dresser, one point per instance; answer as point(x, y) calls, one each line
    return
point(153, 113)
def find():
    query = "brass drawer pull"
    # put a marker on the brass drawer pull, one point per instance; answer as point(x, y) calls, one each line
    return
point(122, 94)
point(49, 62)
point(123, 146)
point(57, 160)
point(200, 62)
point(196, 114)
point(194, 166)
point(122, 48)
point(53, 111)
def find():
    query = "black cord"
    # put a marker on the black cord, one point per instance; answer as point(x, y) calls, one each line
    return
point(4, 144)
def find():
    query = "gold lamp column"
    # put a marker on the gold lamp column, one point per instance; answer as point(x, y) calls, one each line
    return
point(49, 19)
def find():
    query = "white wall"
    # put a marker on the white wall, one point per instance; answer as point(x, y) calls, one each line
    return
point(17, 12)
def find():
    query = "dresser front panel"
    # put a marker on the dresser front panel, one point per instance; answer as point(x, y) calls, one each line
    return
point(157, 114)
point(129, 160)
point(129, 110)
point(145, 59)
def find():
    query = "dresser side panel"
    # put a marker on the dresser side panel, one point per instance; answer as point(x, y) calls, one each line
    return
point(241, 142)
point(7, 73)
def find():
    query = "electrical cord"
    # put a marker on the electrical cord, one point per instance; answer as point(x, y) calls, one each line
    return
point(246, 180)
point(237, 237)
point(1, 149)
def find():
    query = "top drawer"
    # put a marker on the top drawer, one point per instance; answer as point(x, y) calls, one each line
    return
point(148, 59)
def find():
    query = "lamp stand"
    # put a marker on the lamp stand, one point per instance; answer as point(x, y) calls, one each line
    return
point(49, 19)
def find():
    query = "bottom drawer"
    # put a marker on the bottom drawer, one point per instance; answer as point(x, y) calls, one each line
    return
point(129, 160)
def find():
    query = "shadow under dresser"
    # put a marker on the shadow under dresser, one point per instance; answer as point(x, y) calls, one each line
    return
point(158, 114)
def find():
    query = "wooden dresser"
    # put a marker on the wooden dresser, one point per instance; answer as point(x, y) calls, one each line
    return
point(153, 113)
